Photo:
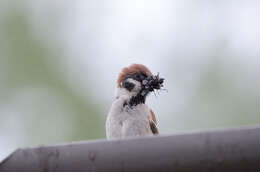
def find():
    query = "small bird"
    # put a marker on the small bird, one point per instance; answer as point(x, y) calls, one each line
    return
point(129, 115)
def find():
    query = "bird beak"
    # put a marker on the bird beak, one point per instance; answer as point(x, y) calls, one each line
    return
point(152, 83)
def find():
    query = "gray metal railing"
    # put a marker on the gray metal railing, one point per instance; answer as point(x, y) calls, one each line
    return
point(231, 150)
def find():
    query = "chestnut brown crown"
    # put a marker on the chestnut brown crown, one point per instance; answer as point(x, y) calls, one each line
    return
point(130, 70)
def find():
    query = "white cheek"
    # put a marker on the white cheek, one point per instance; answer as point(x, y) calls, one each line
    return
point(137, 84)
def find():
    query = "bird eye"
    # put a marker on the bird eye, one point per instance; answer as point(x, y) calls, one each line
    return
point(138, 76)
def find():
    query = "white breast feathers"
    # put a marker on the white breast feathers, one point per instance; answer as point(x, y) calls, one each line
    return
point(124, 121)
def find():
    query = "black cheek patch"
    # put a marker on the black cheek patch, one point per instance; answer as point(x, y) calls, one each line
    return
point(128, 85)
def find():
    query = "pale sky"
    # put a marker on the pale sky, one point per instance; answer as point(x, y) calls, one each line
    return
point(102, 37)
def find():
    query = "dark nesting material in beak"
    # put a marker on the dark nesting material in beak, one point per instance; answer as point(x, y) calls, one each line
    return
point(152, 83)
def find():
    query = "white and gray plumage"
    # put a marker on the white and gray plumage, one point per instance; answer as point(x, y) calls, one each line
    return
point(129, 115)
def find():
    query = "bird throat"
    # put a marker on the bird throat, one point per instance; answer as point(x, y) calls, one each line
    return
point(136, 100)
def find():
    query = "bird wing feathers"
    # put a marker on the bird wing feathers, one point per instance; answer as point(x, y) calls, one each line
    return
point(153, 122)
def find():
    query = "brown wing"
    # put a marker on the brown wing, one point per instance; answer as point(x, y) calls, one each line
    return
point(153, 123)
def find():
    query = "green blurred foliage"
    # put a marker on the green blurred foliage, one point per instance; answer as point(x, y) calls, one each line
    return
point(33, 82)
point(43, 106)
point(224, 97)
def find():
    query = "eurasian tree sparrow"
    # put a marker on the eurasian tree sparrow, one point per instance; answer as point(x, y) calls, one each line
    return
point(129, 115)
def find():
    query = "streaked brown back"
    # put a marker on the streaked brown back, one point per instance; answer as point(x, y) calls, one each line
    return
point(153, 123)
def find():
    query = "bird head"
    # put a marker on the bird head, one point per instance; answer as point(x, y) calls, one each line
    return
point(137, 82)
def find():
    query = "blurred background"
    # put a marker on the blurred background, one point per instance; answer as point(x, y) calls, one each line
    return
point(59, 61)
